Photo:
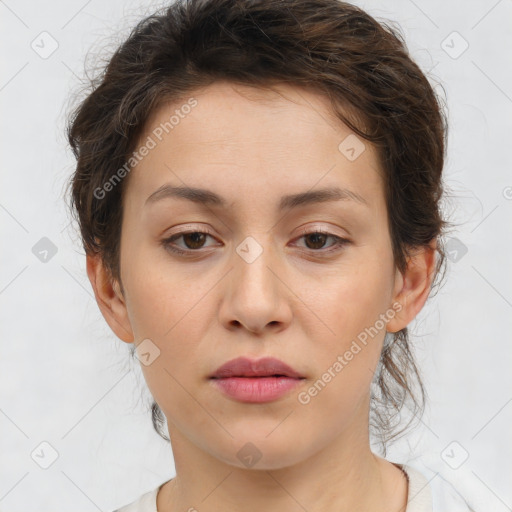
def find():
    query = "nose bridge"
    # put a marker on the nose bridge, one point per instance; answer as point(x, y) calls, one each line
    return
point(255, 298)
point(254, 256)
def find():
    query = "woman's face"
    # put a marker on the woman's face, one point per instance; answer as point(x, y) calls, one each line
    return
point(259, 283)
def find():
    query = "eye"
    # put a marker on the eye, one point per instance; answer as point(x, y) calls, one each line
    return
point(193, 240)
point(317, 238)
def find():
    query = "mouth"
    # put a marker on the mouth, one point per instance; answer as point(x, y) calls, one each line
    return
point(255, 381)
point(265, 367)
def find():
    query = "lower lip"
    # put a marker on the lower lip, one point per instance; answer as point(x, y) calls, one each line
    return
point(256, 389)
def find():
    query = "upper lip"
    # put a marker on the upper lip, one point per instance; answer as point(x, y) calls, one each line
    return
point(245, 367)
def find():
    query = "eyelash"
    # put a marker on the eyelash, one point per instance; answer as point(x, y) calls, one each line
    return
point(339, 242)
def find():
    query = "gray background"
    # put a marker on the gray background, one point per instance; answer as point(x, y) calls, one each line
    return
point(67, 381)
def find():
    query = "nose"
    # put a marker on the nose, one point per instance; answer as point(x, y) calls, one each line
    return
point(255, 295)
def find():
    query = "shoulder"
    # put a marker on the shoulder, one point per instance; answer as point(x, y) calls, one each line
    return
point(144, 503)
point(427, 493)
point(432, 493)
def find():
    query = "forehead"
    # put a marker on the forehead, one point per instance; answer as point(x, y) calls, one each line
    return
point(224, 109)
point(242, 138)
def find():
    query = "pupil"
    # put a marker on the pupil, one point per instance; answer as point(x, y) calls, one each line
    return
point(195, 240)
point(315, 237)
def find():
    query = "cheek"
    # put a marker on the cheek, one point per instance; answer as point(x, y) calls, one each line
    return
point(171, 308)
point(346, 360)
point(163, 297)
point(355, 301)
point(352, 308)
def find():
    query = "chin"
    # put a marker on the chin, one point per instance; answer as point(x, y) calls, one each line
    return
point(258, 452)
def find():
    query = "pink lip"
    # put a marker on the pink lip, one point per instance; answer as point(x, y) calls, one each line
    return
point(255, 381)
point(245, 367)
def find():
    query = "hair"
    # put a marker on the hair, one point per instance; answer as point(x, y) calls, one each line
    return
point(361, 66)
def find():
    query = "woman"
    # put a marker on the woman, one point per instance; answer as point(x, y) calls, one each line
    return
point(258, 189)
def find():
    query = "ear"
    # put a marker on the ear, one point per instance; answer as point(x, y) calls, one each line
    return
point(412, 288)
point(109, 298)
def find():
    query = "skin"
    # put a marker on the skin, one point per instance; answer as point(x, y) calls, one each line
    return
point(252, 147)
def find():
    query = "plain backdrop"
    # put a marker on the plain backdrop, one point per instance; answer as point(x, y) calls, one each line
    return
point(72, 400)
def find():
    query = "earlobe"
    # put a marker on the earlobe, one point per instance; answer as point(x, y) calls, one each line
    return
point(109, 298)
point(412, 288)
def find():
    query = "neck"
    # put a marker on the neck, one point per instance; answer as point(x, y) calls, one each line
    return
point(342, 477)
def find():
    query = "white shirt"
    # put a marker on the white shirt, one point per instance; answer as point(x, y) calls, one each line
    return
point(435, 495)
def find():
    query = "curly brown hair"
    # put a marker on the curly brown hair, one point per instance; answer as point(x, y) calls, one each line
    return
point(362, 66)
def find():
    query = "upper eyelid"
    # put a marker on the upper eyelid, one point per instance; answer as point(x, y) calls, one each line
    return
point(303, 232)
point(307, 230)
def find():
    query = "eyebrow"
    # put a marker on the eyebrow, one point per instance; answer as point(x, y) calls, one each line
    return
point(288, 202)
